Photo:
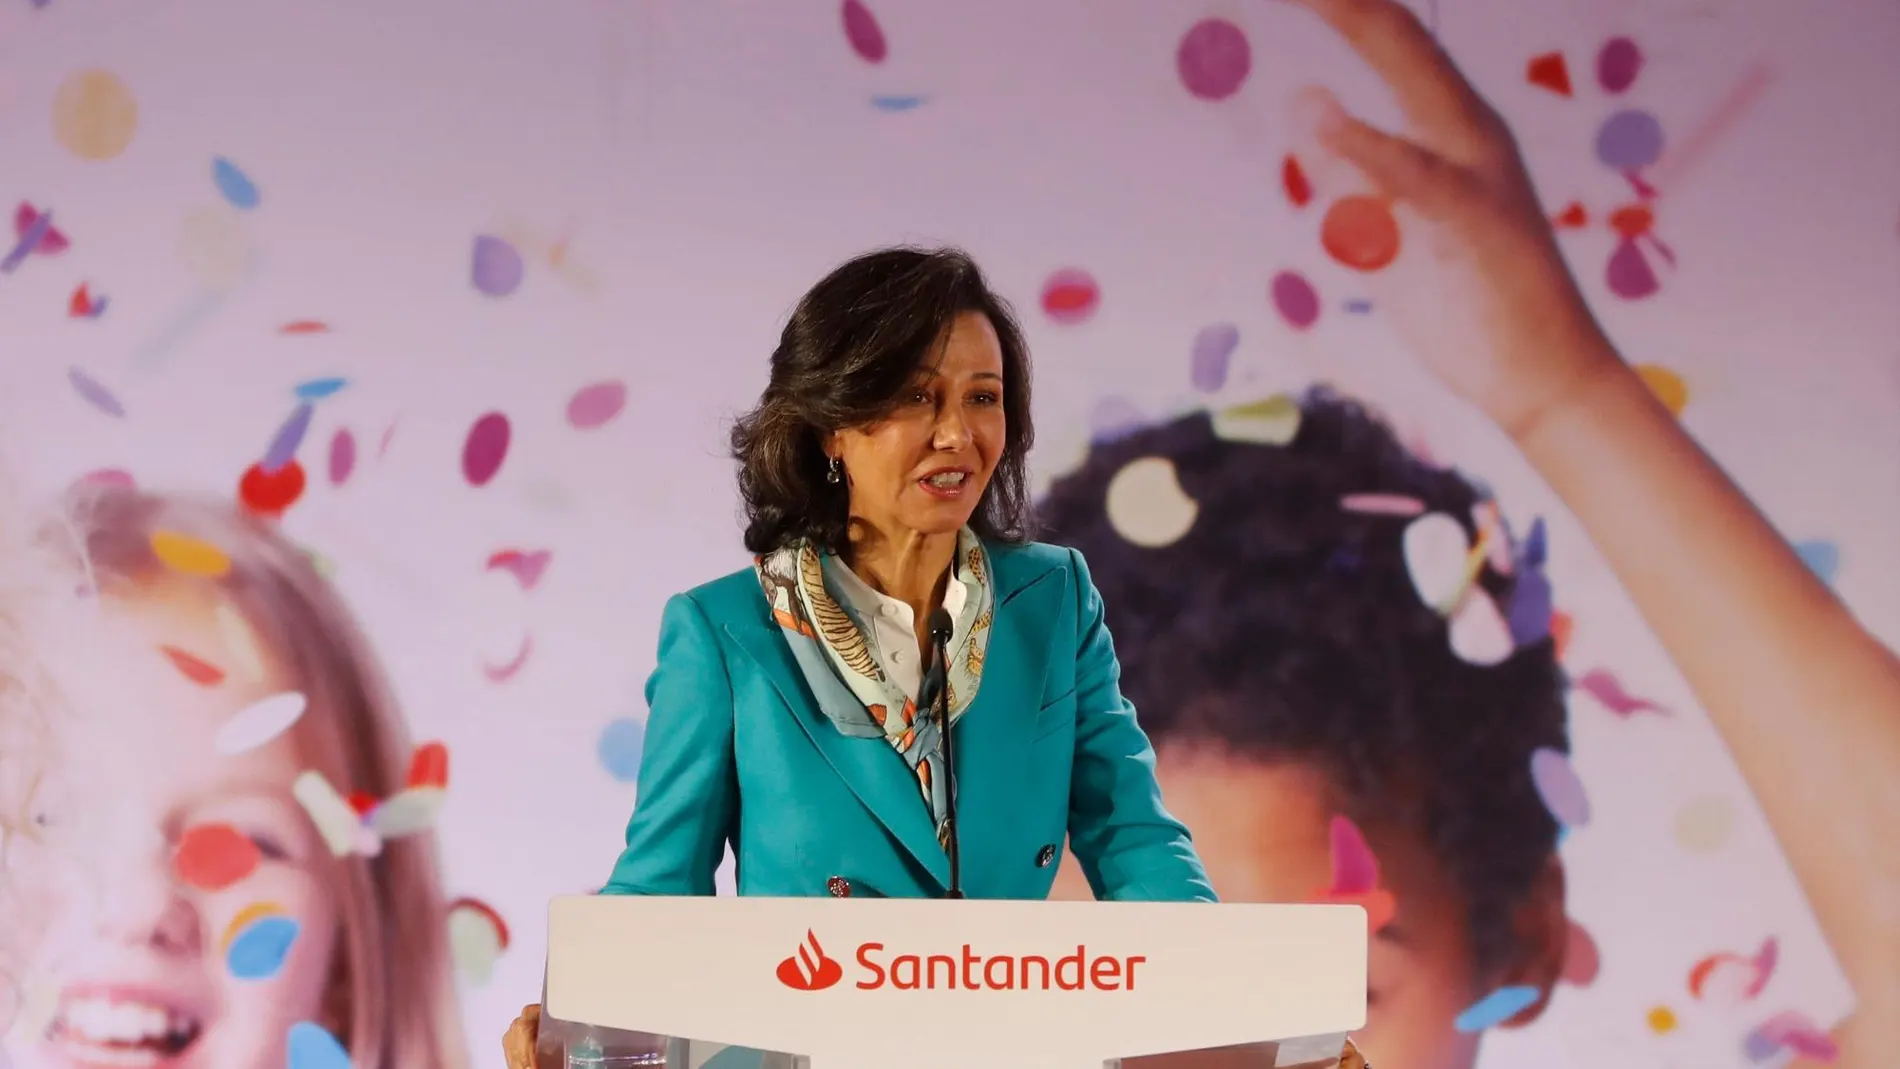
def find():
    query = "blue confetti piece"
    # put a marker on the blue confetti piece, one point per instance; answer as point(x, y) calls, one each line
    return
point(1531, 606)
point(1563, 832)
point(1535, 550)
point(29, 242)
point(1212, 355)
point(318, 389)
point(736, 1058)
point(1758, 1047)
point(620, 747)
point(1822, 558)
point(1496, 1008)
point(1629, 141)
point(236, 186)
point(283, 448)
point(1359, 306)
point(311, 1047)
point(259, 950)
point(896, 103)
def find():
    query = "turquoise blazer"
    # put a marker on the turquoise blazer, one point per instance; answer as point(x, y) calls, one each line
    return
point(738, 750)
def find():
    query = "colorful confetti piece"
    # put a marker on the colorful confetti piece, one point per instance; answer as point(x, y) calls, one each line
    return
point(1733, 978)
point(1619, 61)
point(477, 937)
point(1628, 273)
point(1295, 299)
point(429, 767)
point(1582, 961)
point(114, 477)
point(269, 494)
point(342, 456)
point(1478, 632)
point(259, 723)
point(1273, 421)
point(1213, 59)
point(1629, 140)
point(312, 390)
point(288, 439)
point(507, 670)
point(1146, 505)
point(34, 235)
point(1496, 1008)
point(863, 33)
point(189, 556)
point(1666, 385)
point(1557, 784)
point(310, 1046)
point(304, 326)
point(1070, 295)
point(335, 821)
point(236, 186)
point(596, 405)
point(1602, 684)
point(1361, 232)
point(94, 115)
point(84, 305)
point(408, 811)
point(1549, 71)
point(1382, 504)
point(485, 448)
point(897, 102)
point(1790, 1031)
point(93, 393)
point(495, 266)
point(260, 949)
point(622, 742)
point(199, 671)
point(1435, 547)
point(211, 857)
point(1293, 180)
point(1530, 609)
point(1211, 356)
point(216, 248)
point(526, 566)
point(1661, 1020)
point(1822, 558)
point(1355, 878)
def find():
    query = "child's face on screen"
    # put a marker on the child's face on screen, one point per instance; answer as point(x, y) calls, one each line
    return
point(138, 956)
point(1263, 832)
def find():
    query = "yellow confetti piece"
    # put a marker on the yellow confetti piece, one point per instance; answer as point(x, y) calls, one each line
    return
point(1662, 1020)
point(190, 556)
point(1666, 385)
point(94, 115)
point(1146, 504)
point(254, 911)
point(1274, 421)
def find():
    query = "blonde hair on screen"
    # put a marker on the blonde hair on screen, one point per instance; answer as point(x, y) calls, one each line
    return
point(392, 998)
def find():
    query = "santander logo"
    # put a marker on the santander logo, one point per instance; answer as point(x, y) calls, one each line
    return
point(809, 969)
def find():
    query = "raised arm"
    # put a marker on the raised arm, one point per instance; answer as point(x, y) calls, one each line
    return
point(1128, 845)
point(687, 794)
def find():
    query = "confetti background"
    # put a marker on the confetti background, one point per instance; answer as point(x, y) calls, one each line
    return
point(493, 278)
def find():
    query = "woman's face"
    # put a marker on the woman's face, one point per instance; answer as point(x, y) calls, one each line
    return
point(923, 468)
point(1263, 831)
point(133, 964)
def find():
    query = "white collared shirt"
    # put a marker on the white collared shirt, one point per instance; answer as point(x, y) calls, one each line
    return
point(893, 625)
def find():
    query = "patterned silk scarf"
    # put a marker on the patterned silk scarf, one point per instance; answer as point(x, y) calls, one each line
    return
point(827, 636)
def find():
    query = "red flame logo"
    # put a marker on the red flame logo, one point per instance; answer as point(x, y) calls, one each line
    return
point(809, 969)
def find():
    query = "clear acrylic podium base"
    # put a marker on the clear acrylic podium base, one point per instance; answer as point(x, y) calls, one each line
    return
point(572, 1045)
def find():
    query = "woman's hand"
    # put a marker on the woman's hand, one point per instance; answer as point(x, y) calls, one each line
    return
point(1479, 289)
point(517, 1046)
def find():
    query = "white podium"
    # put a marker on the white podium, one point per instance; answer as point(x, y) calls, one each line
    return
point(829, 983)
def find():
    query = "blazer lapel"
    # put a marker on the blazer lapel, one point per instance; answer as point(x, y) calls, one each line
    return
point(874, 771)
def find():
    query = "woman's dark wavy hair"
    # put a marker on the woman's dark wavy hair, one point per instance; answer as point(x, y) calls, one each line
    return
point(854, 342)
point(1284, 627)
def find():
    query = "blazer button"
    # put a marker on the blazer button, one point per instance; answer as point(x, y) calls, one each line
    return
point(1045, 856)
point(839, 887)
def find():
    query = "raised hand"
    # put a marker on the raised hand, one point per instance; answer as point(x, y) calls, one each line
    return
point(1479, 289)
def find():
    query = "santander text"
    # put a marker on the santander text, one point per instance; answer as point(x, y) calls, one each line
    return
point(971, 971)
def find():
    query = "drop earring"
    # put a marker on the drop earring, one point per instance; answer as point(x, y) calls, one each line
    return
point(834, 471)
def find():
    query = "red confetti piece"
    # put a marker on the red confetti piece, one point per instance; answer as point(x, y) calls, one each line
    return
point(1070, 296)
point(1549, 71)
point(1293, 179)
point(485, 449)
point(199, 671)
point(1759, 969)
point(595, 405)
point(51, 242)
point(342, 456)
point(116, 477)
point(1296, 299)
point(1602, 684)
point(1355, 869)
point(1562, 626)
point(363, 802)
point(304, 326)
point(1581, 958)
point(1360, 232)
point(1572, 217)
point(429, 766)
point(83, 306)
point(212, 857)
point(269, 494)
point(526, 567)
point(865, 35)
point(1213, 59)
point(502, 673)
point(501, 927)
point(1618, 64)
point(1632, 221)
point(1628, 273)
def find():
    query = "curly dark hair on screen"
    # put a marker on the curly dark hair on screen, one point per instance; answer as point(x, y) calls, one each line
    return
point(1283, 626)
point(855, 341)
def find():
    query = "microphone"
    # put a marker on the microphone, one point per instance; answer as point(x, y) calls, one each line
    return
point(936, 685)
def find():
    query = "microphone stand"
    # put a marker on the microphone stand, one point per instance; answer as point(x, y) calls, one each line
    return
point(940, 628)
